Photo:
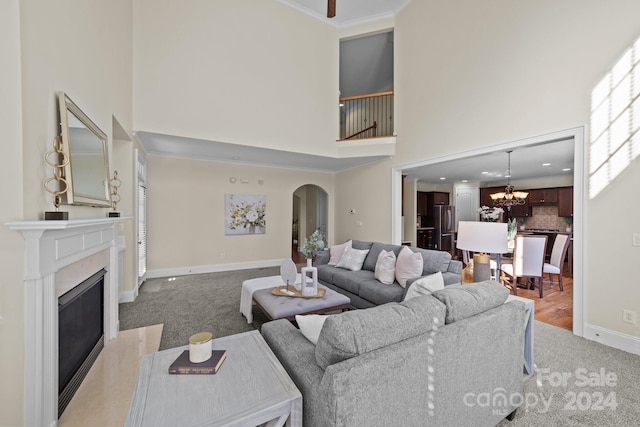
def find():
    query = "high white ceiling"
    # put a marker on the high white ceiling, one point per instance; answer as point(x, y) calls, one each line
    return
point(349, 12)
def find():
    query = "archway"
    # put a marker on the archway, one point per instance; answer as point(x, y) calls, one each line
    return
point(310, 213)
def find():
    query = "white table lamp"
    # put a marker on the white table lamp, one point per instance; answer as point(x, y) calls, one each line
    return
point(484, 238)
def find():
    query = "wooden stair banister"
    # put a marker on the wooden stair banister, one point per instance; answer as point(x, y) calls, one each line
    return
point(373, 126)
point(372, 111)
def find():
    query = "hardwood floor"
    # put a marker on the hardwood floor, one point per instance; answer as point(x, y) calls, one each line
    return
point(297, 256)
point(555, 307)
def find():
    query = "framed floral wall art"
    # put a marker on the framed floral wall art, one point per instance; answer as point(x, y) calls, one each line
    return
point(245, 214)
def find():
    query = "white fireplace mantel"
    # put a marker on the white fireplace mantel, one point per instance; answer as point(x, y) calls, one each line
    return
point(49, 247)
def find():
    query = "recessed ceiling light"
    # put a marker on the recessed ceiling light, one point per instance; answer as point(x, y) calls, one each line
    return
point(566, 169)
point(546, 164)
point(485, 172)
point(465, 180)
point(442, 178)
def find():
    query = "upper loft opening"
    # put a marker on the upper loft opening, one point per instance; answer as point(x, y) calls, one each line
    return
point(366, 86)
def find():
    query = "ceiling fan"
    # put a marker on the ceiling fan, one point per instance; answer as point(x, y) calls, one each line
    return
point(331, 8)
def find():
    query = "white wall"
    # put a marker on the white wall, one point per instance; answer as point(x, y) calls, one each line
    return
point(251, 72)
point(82, 48)
point(11, 244)
point(473, 74)
point(186, 206)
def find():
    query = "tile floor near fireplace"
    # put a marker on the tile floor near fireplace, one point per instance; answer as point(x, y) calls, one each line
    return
point(104, 395)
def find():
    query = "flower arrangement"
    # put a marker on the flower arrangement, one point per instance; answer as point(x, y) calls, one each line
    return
point(245, 214)
point(490, 214)
point(314, 243)
point(512, 228)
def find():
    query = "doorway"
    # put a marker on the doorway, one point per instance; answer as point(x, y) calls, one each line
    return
point(576, 135)
point(310, 213)
point(141, 215)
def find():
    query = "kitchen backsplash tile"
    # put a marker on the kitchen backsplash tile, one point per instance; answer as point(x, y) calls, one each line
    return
point(546, 217)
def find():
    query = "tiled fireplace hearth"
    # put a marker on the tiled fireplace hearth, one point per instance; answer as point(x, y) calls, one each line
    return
point(58, 256)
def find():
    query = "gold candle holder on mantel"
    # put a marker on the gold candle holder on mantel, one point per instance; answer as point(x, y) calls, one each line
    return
point(114, 184)
point(57, 185)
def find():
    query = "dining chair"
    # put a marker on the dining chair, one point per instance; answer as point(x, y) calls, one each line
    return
point(528, 261)
point(556, 262)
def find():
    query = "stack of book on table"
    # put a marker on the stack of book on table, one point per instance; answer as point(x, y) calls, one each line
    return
point(182, 365)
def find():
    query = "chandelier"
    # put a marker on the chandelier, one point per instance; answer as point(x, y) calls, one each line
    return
point(508, 197)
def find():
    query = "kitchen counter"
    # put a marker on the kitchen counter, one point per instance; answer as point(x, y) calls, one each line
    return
point(425, 228)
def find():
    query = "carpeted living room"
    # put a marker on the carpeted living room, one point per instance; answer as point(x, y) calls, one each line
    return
point(577, 381)
point(222, 129)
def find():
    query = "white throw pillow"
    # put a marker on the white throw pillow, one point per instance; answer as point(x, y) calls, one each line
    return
point(425, 286)
point(310, 325)
point(408, 266)
point(352, 259)
point(385, 270)
point(337, 251)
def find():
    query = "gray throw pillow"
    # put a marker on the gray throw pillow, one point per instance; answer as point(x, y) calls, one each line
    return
point(464, 301)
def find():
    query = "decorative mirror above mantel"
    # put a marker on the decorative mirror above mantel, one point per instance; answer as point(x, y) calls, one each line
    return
point(85, 145)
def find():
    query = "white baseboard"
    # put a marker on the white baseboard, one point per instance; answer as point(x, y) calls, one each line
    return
point(127, 296)
point(613, 339)
point(183, 271)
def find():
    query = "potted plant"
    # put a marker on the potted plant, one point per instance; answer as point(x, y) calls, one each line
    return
point(569, 221)
point(314, 243)
point(511, 232)
point(521, 220)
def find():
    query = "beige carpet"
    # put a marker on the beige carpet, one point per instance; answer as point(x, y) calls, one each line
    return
point(210, 302)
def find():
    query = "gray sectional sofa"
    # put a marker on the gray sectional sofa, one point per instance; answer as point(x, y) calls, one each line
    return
point(452, 358)
point(363, 288)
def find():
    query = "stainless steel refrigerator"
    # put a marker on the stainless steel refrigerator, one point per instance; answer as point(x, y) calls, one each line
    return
point(443, 220)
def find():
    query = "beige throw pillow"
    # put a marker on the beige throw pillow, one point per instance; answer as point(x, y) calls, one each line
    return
point(336, 252)
point(425, 286)
point(408, 266)
point(385, 270)
point(352, 259)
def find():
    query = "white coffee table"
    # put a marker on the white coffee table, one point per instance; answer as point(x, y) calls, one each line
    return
point(251, 388)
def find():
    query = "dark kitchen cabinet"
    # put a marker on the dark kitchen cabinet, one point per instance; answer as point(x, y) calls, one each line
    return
point(404, 181)
point(543, 196)
point(425, 238)
point(437, 198)
point(565, 201)
point(421, 206)
point(485, 195)
point(426, 200)
point(521, 210)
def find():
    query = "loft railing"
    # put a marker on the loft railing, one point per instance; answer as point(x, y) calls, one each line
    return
point(366, 116)
point(372, 134)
